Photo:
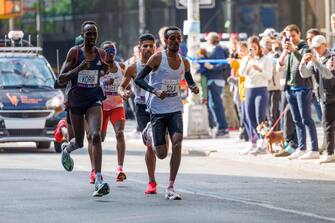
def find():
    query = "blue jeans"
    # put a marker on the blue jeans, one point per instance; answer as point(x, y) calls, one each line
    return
point(245, 121)
point(256, 102)
point(317, 107)
point(300, 102)
point(216, 105)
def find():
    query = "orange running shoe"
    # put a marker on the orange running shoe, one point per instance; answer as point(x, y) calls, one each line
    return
point(92, 176)
point(58, 131)
point(152, 188)
point(120, 175)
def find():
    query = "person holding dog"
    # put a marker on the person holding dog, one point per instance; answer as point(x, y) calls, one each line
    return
point(257, 69)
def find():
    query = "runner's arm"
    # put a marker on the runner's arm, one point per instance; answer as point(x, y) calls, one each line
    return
point(67, 73)
point(188, 75)
point(189, 79)
point(129, 74)
point(152, 63)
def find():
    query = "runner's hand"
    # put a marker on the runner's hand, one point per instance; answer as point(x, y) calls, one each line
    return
point(161, 94)
point(125, 94)
point(110, 81)
point(85, 65)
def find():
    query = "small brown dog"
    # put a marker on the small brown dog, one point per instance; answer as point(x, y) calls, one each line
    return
point(270, 136)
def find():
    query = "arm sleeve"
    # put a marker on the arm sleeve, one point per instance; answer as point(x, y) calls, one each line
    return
point(189, 78)
point(139, 80)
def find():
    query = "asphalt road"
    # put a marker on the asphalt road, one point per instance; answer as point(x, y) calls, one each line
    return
point(35, 188)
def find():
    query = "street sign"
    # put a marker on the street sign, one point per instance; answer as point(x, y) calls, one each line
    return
point(204, 4)
point(11, 8)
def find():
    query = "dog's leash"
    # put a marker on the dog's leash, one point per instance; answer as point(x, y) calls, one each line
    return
point(279, 118)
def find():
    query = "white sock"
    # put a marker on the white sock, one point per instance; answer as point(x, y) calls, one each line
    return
point(72, 146)
point(98, 178)
point(171, 184)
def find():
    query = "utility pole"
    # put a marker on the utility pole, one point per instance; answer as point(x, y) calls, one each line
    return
point(39, 25)
point(11, 24)
point(327, 22)
point(195, 114)
point(193, 18)
point(303, 15)
point(229, 16)
point(141, 16)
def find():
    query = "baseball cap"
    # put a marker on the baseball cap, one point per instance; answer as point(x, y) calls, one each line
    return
point(269, 32)
point(318, 40)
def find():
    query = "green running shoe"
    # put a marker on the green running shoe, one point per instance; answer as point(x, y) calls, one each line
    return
point(67, 161)
point(101, 189)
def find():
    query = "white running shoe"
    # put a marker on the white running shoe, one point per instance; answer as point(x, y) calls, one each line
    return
point(258, 151)
point(170, 194)
point(297, 153)
point(310, 155)
point(250, 148)
point(328, 159)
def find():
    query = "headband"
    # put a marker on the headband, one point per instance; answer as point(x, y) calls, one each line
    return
point(170, 32)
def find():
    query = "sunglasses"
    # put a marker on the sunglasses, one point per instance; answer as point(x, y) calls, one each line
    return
point(110, 50)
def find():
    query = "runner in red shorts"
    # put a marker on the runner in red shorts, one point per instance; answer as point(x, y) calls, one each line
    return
point(113, 109)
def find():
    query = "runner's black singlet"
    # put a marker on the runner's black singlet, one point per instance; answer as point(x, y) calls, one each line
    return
point(85, 85)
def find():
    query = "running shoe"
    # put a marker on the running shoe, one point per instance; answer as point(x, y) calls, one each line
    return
point(67, 161)
point(92, 176)
point(146, 134)
point(101, 189)
point(58, 131)
point(170, 194)
point(120, 175)
point(152, 188)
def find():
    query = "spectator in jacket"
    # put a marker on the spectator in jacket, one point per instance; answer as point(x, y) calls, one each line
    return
point(317, 66)
point(216, 78)
point(299, 92)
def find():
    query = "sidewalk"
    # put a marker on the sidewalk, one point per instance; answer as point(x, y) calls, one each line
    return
point(230, 148)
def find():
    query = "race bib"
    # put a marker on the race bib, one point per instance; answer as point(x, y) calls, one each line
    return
point(88, 78)
point(171, 87)
point(112, 89)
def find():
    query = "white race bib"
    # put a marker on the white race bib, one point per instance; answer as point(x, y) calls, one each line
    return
point(171, 87)
point(112, 89)
point(88, 78)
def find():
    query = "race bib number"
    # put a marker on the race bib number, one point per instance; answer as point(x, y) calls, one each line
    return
point(88, 78)
point(171, 87)
point(112, 89)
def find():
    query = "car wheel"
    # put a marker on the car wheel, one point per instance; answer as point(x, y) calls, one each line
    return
point(43, 145)
point(58, 147)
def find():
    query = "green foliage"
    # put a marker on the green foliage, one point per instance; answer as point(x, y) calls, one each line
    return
point(60, 8)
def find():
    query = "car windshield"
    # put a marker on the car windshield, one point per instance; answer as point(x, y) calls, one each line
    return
point(16, 72)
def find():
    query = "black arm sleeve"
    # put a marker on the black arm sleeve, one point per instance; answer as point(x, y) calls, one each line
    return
point(189, 78)
point(139, 80)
